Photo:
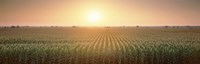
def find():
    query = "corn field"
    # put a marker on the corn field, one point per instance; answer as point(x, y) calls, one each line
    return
point(87, 45)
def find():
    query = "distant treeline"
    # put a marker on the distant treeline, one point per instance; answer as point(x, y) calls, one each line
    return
point(14, 26)
point(137, 26)
point(188, 27)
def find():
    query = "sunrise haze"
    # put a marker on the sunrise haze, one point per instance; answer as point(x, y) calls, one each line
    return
point(99, 12)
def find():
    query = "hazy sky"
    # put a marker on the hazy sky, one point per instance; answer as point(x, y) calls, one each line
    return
point(112, 12)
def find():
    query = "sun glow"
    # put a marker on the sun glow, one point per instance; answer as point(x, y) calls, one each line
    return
point(94, 16)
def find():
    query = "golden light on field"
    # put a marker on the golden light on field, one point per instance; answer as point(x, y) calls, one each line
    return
point(94, 16)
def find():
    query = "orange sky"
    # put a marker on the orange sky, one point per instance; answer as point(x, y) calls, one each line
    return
point(113, 12)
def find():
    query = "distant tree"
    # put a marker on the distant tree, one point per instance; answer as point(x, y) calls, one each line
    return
point(15, 26)
point(73, 26)
point(166, 26)
point(12, 27)
point(137, 26)
point(4, 27)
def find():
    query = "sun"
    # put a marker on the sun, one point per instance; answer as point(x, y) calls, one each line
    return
point(94, 16)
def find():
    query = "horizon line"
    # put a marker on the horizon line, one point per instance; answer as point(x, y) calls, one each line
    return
point(93, 26)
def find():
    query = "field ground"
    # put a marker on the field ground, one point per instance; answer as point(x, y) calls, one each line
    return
point(65, 45)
